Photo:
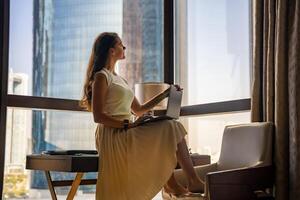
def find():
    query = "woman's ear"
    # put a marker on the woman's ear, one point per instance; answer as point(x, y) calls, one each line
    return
point(112, 51)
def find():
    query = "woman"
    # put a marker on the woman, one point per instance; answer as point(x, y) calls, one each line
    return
point(135, 161)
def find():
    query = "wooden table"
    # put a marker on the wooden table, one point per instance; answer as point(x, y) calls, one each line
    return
point(78, 164)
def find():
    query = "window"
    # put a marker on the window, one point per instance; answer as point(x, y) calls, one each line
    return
point(26, 134)
point(212, 59)
point(205, 132)
point(51, 50)
point(50, 42)
point(49, 45)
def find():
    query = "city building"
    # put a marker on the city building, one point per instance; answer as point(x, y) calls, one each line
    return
point(63, 33)
point(144, 60)
point(18, 123)
point(18, 140)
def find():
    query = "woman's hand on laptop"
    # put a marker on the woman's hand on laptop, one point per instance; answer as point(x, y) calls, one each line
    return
point(178, 87)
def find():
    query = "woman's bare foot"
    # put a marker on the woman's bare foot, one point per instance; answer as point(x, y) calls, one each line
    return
point(173, 187)
point(176, 192)
point(196, 186)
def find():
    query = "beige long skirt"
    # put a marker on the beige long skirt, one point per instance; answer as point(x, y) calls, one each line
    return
point(135, 164)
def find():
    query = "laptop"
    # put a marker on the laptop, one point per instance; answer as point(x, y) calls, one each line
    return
point(173, 108)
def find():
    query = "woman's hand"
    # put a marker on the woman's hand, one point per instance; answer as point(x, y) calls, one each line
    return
point(141, 109)
point(178, 87)
point(132, 125)
point(166, 93)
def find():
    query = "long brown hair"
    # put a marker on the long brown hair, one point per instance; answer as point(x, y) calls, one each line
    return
point(97, 61)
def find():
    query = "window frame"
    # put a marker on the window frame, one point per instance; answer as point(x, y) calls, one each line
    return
point(45, 103)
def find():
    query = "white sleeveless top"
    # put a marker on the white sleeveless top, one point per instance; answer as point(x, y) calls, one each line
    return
point(119, 95)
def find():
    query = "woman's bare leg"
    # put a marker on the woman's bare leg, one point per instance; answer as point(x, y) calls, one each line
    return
point(173, 187)
point(184, 160)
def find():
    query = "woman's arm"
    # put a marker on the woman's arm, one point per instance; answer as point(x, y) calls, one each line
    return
point(139, 109)
point(98, 100)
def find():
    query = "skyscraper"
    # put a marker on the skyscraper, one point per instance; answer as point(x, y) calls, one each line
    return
point(18, 122)
point(17, 139)
point(143, 37)
point(63, 33)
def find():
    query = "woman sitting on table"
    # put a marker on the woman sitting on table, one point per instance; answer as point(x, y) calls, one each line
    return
point(135, 161)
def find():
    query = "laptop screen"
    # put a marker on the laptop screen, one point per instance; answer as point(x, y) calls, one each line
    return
point(174, 103)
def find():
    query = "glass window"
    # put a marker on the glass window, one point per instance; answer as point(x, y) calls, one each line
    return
point(212, 50)
point(212, 64)
point(51, 40)
point(205, 132)
point(49, 47)
point(29, 132)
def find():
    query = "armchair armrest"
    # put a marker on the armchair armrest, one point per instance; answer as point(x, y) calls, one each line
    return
point(238, 183)
point(198, 160)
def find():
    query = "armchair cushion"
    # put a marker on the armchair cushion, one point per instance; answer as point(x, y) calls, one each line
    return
point(246, 145)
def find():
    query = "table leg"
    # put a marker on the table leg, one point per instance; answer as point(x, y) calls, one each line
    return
point(50, 185)
point(75, 185)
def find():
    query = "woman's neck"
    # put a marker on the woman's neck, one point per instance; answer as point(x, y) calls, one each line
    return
point(110, 65)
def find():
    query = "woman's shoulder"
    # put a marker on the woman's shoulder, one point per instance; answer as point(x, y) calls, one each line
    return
point(106, 74)
point(103, 71)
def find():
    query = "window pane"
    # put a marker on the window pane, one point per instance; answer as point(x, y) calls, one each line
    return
point(29, 132)
point(212, 50)
point(205, 132)
point(51, 40)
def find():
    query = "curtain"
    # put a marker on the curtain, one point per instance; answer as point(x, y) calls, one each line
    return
point(276, 86)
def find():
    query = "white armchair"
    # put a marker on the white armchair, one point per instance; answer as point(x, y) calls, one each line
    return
point(244, 166)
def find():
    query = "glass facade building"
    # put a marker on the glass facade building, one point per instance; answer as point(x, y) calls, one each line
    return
point(143, 35)
point(63, 33)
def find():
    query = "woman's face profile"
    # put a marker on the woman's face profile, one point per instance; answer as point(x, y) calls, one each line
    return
point(119, 50)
